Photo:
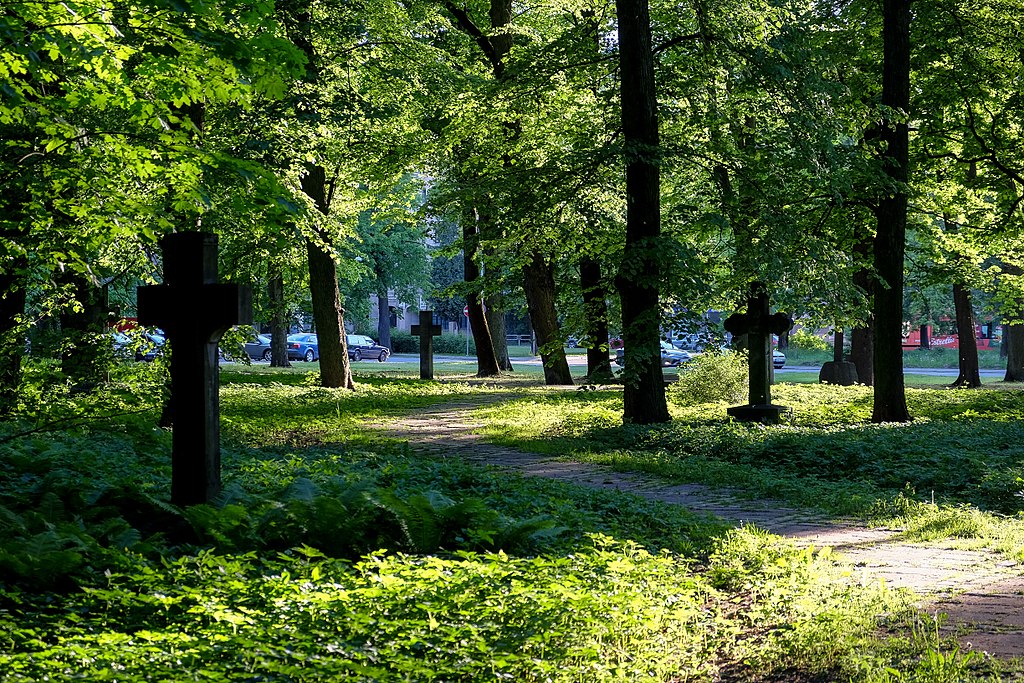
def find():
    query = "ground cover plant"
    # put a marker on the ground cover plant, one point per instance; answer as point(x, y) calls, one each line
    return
point(333, 554)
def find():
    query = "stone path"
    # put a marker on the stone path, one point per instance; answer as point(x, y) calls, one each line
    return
point(981, 592)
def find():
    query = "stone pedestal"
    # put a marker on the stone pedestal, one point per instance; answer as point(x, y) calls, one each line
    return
point(843, 373)
point(768, 413)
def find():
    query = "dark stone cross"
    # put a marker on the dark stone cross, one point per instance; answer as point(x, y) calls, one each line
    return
point(426, 331)
point(194, 310)
point(838, 370)
point(759, 325)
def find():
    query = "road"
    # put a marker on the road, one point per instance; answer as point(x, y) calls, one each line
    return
point(576, 360)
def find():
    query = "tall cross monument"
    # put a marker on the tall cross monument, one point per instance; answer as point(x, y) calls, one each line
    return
point(759, 324)
point(194, 310)
point(426, 331)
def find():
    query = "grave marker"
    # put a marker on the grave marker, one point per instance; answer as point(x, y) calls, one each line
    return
point(426, 331)
point(758, 324)
point(194, 310)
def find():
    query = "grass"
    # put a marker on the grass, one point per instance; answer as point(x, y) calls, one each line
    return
point(336, 554)
point(912, 358)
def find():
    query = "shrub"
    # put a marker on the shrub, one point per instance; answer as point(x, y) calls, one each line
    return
point(404, 342)
point(712, 377)
point(803, 339)
point(453, 344)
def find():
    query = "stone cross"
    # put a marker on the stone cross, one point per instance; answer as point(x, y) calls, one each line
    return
point(194, 310)
point(758, 324)
point(426, 331)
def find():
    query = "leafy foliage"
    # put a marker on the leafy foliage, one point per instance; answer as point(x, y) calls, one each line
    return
point(805, 340)
point(712, 377)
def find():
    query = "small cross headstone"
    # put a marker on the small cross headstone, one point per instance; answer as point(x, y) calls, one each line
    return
point(426, 331)
point(758, 324)
point(194, 310)
point(838, 370)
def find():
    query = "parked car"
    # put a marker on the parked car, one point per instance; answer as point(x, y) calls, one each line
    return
point(670, 356)
point(778, 359)
point(303, 346)
point(360, 347)
point(143, 346)
point(258, 347)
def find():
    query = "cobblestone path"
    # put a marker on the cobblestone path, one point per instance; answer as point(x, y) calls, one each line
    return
point(981, 592)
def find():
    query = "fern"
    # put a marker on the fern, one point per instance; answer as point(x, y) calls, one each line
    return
point(523, 536)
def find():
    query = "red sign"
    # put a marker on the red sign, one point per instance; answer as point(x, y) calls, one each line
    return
point(465, 311)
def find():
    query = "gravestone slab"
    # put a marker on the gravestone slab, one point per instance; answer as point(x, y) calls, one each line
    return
point(194, 310)
point(426, 331)
point(842, 373)
point(759, 324)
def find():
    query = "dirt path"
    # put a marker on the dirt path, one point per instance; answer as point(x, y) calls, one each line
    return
point(982, 594)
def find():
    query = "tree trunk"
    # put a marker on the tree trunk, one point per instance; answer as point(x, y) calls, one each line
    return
point(335, 370)
point(970, 373)
point(595, 320)
point(494, 310)
point(1004, 341)
point(486, 361)
point(890, 403)
point(639, 274)
point(539, 285)
point(1013, 340)
point(925, 342)
point(837, 345)
point(862, 339)
point(383, 319)
point(84, 355)
point(12, 308)
point(278, 322)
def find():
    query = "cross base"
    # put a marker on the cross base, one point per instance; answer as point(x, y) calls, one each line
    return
point(765, 413)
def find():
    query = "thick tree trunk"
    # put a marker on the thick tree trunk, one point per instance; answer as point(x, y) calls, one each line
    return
point(862, 339)
point(335, 370)
point(970, 372)
point(595, 320)
point(539, 285)
point(639, 275)
point(12, 343)
point(383, 319)
point(85, 356)
point(890, 238)
point(926, 342)
point(1013, 342)
point(278, 322)
point(486, 361)
point(494, 310)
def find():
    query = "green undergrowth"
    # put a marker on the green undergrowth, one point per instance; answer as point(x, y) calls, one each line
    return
point(956, 471)
point(336, 555)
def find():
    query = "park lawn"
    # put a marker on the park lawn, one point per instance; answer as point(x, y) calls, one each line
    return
point(912, 358)
point(336, 554)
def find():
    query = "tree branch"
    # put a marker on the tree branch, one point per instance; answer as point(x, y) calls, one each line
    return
point(672, 42)
point(465, 23)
